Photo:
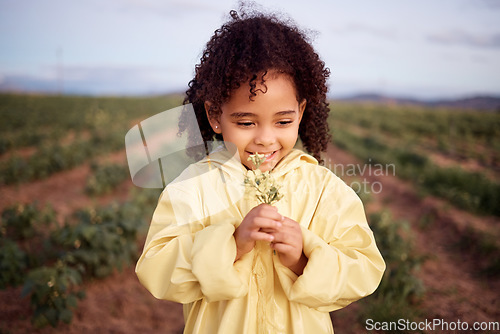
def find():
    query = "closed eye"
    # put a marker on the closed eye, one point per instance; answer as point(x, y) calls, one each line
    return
point(284, 123)
point(244, 124)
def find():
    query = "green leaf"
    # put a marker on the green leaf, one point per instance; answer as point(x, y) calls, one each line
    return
point(66, 316)
point(40, 321)
point(27, 288)
point(81, 294)
point(52, 316)
point(72, 301)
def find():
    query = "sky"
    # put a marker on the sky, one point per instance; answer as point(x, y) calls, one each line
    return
point(424, 49)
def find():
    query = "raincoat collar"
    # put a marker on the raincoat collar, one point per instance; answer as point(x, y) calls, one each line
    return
point(231, 164)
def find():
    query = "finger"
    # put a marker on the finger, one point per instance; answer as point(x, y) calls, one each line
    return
point(268, 211)
point(268, 230)
point(256, 235)
point(284, 238)
point(290, 222)
point(266, 223)
point(288, 235)
point(287, 227)
point(282, 248)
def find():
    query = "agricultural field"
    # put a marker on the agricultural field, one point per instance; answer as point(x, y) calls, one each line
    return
point(436, 172)
point(72, 223)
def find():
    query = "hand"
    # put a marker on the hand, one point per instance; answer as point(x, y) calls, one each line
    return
point(288, 243)
point(263, 217)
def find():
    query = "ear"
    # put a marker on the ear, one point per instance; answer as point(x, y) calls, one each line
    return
point(302, 107)
point(214, 122)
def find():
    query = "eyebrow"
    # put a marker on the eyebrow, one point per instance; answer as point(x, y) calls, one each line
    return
point(241, 114)
point(249, 114)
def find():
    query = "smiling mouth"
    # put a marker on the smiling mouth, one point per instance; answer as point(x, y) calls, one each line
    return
point(268, 156)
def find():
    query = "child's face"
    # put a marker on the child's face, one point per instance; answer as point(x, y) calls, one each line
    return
point(267, 125)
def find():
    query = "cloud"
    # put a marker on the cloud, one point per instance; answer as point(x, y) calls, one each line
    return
point(99, 80)
point(492, 4)
point(460, 37)
point(360, 28)
point(172, 9)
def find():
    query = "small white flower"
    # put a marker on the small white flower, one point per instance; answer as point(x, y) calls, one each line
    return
point(257, 159)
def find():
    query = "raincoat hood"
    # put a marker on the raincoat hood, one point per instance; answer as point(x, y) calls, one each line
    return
point(231, 164)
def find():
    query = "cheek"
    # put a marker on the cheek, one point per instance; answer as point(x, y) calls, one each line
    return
point(290, 137)
point(238, 138)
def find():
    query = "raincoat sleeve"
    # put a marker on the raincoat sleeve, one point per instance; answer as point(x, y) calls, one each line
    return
point(344, 263)
point(184, 262)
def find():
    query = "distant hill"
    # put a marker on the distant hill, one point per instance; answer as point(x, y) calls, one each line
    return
point(483, 103)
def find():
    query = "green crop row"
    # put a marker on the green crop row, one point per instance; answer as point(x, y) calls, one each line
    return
point(53, 292)
point(400, 288)
point(460, 135)
point(51, 265)
point(420, 121)
point(42, 121)
point(32, 137)
point(20, 112)
point(55, 158)
point(105, 177)
point(22, 221)
point(28, 120)
point(100, 240)
point(467, 190)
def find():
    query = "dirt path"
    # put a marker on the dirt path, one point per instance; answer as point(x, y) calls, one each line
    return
point(64, 191)
point(455, 289)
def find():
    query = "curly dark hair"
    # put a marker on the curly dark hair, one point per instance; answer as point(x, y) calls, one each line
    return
point(244, 50)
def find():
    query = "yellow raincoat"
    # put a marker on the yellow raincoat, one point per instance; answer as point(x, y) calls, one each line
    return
point(190, 250)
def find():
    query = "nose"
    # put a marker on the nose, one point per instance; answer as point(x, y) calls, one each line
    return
point(265, 136)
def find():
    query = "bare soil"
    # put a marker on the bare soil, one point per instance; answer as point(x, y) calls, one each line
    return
point(64, 191)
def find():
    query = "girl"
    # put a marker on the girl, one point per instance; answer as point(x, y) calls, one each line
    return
point(243, 267)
